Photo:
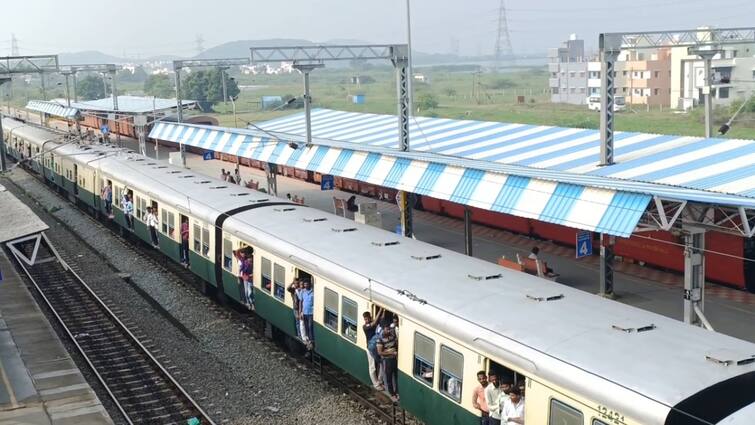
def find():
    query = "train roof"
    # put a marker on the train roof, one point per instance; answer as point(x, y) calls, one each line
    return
point(667, 363)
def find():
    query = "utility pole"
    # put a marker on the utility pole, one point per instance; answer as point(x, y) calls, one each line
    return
point(225, 85)
point(707, 54)
point(503, 40)
point(410, 70)
point(200, 43)
point(13, 45)
point(113, 73)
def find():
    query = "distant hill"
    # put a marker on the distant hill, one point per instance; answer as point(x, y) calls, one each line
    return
point(240, 48)
point(87, 57)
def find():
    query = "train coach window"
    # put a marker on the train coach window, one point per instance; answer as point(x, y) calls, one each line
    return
point(141, 207)
point(168, 223)
point(349, 319)
point(227, 254)
point(117, 195)
point(563, 414)
point(279, 282)
point(451, 372)
point(424, 359)
point(197, 238)
point(205, 242)
point(266, 272)
point(330, 318)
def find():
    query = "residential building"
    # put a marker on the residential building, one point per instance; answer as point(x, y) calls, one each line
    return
point(567, 66)
point(733, 76)
point(642, 78)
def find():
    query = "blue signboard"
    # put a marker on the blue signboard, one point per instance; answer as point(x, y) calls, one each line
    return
point(327, 182)
point(104, 129)
point(209, 155)
point(584, 244)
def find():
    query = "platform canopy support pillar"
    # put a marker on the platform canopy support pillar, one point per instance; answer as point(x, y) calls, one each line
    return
point(271, 172)
point(607, 243)
point(694, 276)
point(468, 231)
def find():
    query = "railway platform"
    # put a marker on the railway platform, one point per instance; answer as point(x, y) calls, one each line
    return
point(39, 382)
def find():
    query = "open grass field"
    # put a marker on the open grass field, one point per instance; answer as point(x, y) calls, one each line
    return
point(464, 95)
point(459, 93)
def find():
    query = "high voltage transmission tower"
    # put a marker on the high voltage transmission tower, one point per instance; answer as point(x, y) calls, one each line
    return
point(13, 45)
point(200, 43)
point(503, 41)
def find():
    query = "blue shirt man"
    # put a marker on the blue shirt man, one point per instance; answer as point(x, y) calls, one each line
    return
point(307, 308)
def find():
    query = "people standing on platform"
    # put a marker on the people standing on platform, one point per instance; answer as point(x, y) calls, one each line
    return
point(151, 220)
point(387, 348)
point(237, 176)
point(492, 398)
point(307, 311)
point(128, 210)
point(512, 412)
point(185, 241)
point(373, 362)
point(222, 174)
point(478, 398)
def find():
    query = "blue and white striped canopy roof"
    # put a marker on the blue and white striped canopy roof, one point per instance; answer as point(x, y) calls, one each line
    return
point(52, 108)
point(714, 165)
point(586, 200)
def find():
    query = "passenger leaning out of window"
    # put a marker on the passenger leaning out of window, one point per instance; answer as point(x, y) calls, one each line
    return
point(478, 398)
point(373, 362)
point(306, 312)
point(151, 220)
point(512, 412)
point(293, 289)
point(107, 196)
point(387, 348)
point(128, 211)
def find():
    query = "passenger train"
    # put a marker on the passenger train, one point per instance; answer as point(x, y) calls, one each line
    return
point(584, 360)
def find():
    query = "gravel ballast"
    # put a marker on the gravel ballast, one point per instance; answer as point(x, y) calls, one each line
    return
point(237, 377)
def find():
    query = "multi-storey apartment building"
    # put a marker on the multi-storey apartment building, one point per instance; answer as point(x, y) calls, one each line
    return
point(567, 66)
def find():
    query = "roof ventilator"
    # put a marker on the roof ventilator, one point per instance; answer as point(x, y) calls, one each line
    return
point(239, 194)
point(314, 220)
point(202, 182)
point(218, 187)
point(411, 296)
point(541, 299)
point(649, 327)
point(161, 166)
point(174, 172)
point(283, 209)
point(347, 229)
point(490, 277)
point(188, 176)
point(257, 201)
point(741, 362)
point(426, 257)
point(391, 243)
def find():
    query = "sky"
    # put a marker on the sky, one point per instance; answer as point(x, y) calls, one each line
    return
point(143, 28)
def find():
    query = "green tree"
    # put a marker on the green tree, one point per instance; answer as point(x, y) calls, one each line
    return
point(159, 86)
point(91, 87)
point(138, 76)
point(207, 86)
point(426, 102)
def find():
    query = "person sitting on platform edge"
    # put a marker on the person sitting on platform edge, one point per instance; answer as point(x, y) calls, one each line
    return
point(534, 256)
point(351, 204)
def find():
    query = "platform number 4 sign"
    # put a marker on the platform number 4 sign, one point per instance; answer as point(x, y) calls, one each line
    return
point(327, 182)
point(584, 244)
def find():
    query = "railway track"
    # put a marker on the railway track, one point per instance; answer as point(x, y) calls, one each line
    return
point(380, 404)
point(143, 390)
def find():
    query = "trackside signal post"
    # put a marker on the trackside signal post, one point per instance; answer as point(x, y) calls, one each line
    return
point(306, 58)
